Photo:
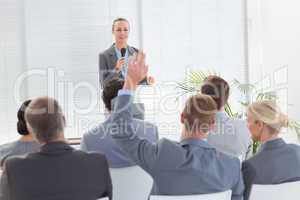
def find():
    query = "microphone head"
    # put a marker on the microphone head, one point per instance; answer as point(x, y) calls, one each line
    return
point(123, 52)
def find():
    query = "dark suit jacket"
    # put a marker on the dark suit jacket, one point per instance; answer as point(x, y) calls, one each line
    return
point(57, 172)
point(107, 63)
point(275, 163)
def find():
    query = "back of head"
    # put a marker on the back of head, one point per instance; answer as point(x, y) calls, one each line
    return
point(199, 113)
point(110, 91)
point(45, 118)
point(21, 124)
point(217, 88)
point(269, 113)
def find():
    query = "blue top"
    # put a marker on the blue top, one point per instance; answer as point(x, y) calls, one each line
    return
point(125, 65)
point(18, 148)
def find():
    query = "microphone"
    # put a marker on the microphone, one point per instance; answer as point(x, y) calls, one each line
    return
point(123, 52)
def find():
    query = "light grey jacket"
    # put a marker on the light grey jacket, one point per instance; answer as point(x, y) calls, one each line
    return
point(99, 140)
point(275, 163)
point(230, 136)
point(189, 167)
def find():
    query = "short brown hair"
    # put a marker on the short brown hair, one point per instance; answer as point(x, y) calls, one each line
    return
point(45, 118)
point(217, 88)
point(199, 112)
point(110, 91)
point(120, 19)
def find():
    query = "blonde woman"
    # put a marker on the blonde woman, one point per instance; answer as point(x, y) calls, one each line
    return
point(276, 162)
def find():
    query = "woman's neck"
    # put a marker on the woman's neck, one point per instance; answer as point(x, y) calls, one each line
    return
point(121, 45)
point(267, 137)
point(26, 138)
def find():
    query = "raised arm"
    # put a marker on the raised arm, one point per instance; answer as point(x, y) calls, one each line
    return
point(141, 151)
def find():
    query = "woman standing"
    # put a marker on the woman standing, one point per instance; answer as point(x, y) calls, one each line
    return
point(114, 60)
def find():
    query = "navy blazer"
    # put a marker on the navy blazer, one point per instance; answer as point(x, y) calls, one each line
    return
point(275, 163)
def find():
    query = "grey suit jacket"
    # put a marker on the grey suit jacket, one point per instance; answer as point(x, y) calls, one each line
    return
point(56, 172)
point(99, 140)
point(107, 63)
point(189, 167)
point(275, 163)
point(230, 136)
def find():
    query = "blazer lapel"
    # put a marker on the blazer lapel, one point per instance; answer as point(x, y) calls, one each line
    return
point(113, 58)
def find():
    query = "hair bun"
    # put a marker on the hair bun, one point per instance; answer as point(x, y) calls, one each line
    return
point(22, 128)
point(21, 124)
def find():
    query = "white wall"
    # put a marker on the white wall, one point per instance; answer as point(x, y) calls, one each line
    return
point(12, 59)
point(60, 41)
point(274, 47)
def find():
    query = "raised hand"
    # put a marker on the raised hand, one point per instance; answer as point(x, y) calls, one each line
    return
point(137, 71)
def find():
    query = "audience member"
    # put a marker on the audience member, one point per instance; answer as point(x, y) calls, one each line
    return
point(189, 167)
point(99, 138)
point(25, 144)
point(230, 135)
point(58, 171)
point(276, 162)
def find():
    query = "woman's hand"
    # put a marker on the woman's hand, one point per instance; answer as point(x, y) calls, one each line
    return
point(119, 64)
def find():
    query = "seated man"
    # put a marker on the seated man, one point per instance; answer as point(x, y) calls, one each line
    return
point(58, 171)
point(99, 138)
point(230, 135)
point(189, 167)
point(276, 161)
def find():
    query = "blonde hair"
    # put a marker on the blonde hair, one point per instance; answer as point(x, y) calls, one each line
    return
point(269, 113)
point(199, 112)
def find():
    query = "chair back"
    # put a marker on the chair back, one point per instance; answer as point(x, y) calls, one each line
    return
point(290, 191)
point(213, 196)
point(130, 183)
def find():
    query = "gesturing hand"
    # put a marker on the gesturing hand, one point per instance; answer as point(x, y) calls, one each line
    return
point(119, 64)
point(137, 71)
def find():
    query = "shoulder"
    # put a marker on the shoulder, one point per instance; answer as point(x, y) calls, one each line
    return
point(90, 157)
point(133, 49)
point(146, 128)
point(293, 148)
point(96, 131)
point(16, 161)
point(5, 148)
point(143, 123)
point(107, 51)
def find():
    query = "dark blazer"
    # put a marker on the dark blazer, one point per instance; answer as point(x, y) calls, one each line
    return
point(57, 172)
point(107, 63)
point(275, 163)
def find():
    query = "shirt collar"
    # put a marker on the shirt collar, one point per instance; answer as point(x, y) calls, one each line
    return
point(196, 142)
point(56, 147)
